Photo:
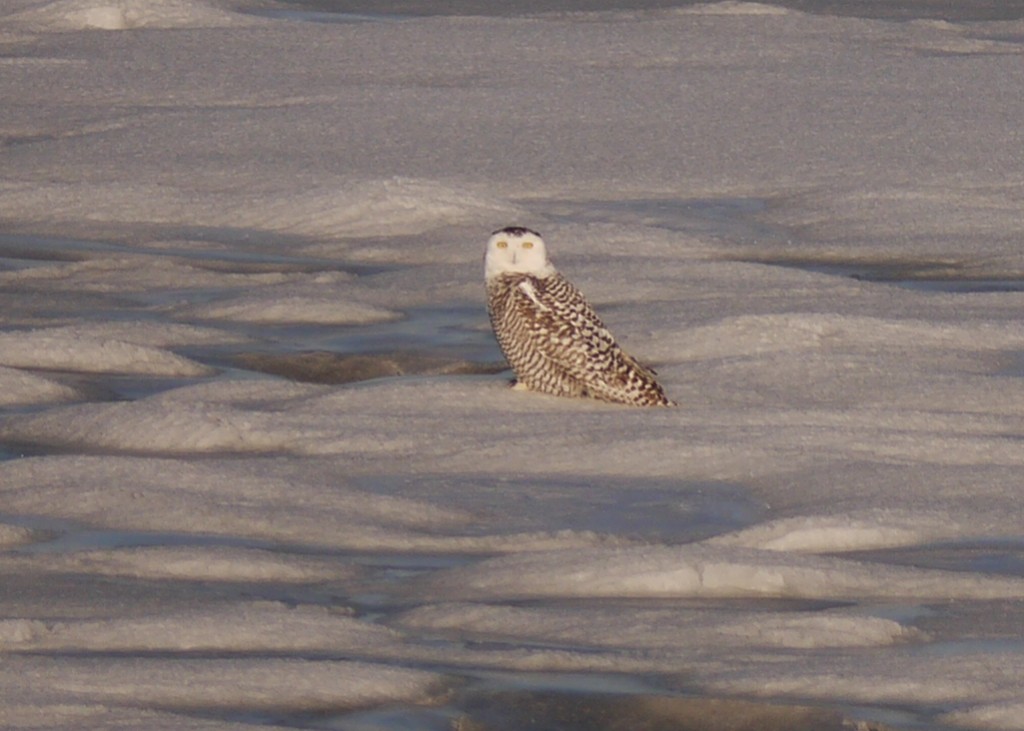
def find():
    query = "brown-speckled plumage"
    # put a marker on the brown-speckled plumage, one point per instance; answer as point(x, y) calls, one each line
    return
point(557, 344)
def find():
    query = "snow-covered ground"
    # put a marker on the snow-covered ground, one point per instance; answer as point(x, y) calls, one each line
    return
point(196, 194)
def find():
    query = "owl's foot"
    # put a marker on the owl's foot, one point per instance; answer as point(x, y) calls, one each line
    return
point(519, 386)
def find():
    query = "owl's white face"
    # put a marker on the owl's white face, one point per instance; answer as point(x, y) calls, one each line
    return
point(516, 250)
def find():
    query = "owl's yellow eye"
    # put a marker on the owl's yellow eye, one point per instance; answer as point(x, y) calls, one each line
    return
point(502, 244)
point(527, 244)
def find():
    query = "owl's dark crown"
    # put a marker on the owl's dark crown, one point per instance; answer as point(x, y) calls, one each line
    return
point(516, 231)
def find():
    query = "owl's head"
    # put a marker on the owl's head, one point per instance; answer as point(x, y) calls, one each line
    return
point(516, 250)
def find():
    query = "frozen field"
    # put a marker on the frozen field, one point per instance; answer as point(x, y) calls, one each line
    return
point(259, 463)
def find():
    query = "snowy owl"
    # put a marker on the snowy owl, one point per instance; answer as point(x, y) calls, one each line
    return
point(550, 334)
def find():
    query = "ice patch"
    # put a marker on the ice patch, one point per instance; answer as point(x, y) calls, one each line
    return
point(669, 630)
point(20, 632)
point(133, 273)
point(920, 675)
point(268, 309)
point(709, 572)
point(104, 17)
point(390, 207)
point(995, 716)
point(70, 351)
point(733, 7)
point(573, 708)
point(13, 535)
point(243, 626)
point(259, 502)
point(851, 532)
point(52, 709)
point(746, 335)
point(332, 368)
point(214, 420)
point(218, 416)
point(145, 332)
point(943, 37)
point(19, 387)
point(111, 15)
point(225, 685)
point(808, 632)
point(205, 561)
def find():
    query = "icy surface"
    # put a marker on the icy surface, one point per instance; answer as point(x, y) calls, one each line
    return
point(69, 15)
point(80, 352)
point(22, 387)
point(831, 516)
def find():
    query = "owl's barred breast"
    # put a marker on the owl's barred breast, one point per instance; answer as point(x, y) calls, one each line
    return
point(557, 344)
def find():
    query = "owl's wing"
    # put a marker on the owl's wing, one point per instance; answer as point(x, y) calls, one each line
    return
point(566, 331)
point(558, 344)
